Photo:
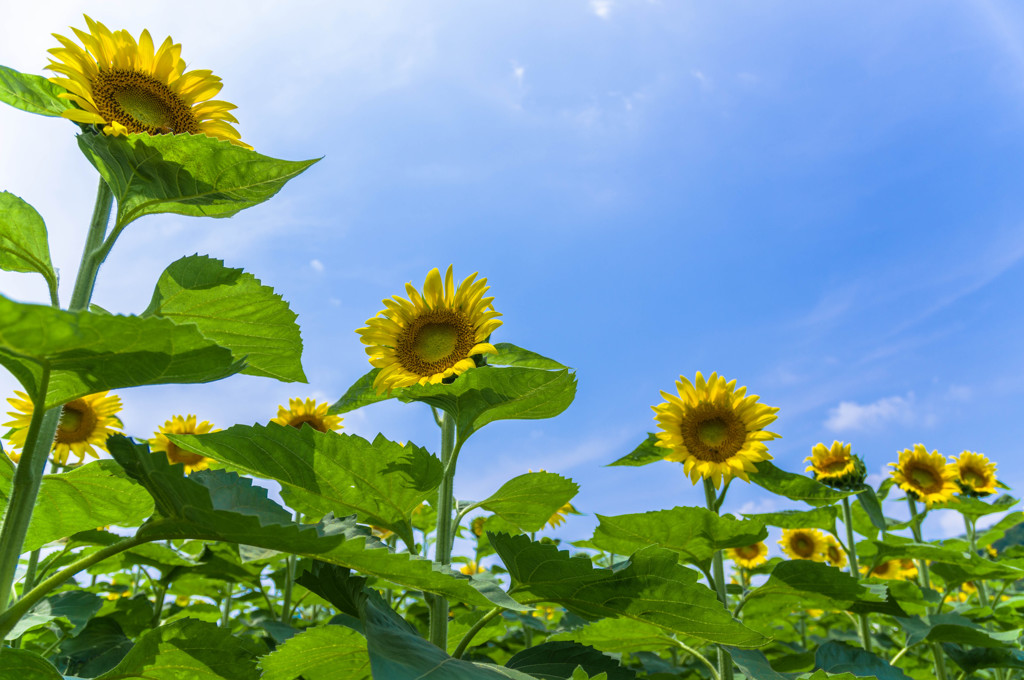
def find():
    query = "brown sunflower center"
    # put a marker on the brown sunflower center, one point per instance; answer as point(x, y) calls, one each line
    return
point(141, 103)
point(802, 545)
point(435, 341)
point(834, 556)
point(925, 479)
point(882, 569)
point(713, 433)
point(77, 422)
point(314, 421)
point(748, 552)
point(176, 454)
point(973, 478)
point(835, 465)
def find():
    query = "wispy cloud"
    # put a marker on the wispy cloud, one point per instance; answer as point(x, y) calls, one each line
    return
point(850, 415)
point(602, 8)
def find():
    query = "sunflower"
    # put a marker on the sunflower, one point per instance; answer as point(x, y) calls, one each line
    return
point(834, 554)
point(299, 412)
point(477, 526)
point(175, 454)
point(560, 515)
point(748, 556)
point(85, 423)
point(130, 87)
point(803, 544)
point(714, 429)
point(925, 476)
point(471, 568)
point(431, 337)
point(836, 466)
point(976, 474)
point(892, 570)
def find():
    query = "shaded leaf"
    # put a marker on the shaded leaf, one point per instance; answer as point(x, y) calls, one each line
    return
point(75, 606)
point(99, 647)
point(976, 507)
point(23, 243)
point(31, 93)
point(813, 584)
point(558, 660)
point(795, 487)
point(839, 657)
point(529, 500)
point(754, 664)
point(233, 309)
point(954, 628)
point(971, 660)
point(21, 664)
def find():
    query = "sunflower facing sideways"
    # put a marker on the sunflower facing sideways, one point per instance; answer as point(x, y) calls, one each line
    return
point(834, 554)
point(127, 86)
point(175, 454)
point(925, 476)
point(748, 556)
point(85, 423)
point(430, 337)
point(804, 544)
point(715, 430)
point(836, 466)
point(301, 412)
point(976, 474)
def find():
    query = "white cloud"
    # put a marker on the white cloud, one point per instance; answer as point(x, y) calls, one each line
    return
point(602, 8)
point(518, 72)
point(317, 265)
point(850, 415)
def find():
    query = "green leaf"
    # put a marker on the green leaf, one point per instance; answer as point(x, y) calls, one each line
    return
point(946, 561)
point(320, 472)
point(97, 649)
point(88, 352)
point(998, 530)
point(510, 355)
point(189, 648)
point(839, 657)
point(23, 243)
point(795, 487)
point(184, 174)
point(25, 665)
point(31, 93)
point(618, 635)
point(361, 394)
point(754, 664)
point(529, 500)
point(74, 606)
point(86, 497)
point(813, 584)
point(652, 588)
point(321, 653)
point(558, 660)
point(873, 508)
point(6, 476)
point(486, 394)
point(645, 454)
point(819, 518)
point(228, 508)
point(971, 660)
point(695, 533)
point(975, 507)
point(955, 628)
point(234, 310)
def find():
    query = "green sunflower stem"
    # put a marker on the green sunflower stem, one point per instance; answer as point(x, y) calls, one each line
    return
point(922, 565)
point(851, 552)
point(972, 539)
point(714, 502)
point(445, 529)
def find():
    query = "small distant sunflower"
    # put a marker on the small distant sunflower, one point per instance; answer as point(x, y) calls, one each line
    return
point(803, 544)
point(836, 466)
point(471, 568)
point(976, 474)
point(892, 570)
point(714, 429)
point(925, 476)
point(308, 411)
point(128, 87)
point(748, 556)
point(430, 337)
point(477, 525)
point(834, 554)
point(909, 568)
point(85, 423)
point(176, 455)
point(560, 515)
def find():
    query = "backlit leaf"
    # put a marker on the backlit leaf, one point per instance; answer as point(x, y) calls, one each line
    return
point(795, 487)
point(529, 500)
point(321, 653)
point(31, 93)
point(23, 243)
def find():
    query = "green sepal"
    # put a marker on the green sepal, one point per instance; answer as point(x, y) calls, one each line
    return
point(32, 93)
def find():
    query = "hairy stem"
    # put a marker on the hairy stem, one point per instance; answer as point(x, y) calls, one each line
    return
point(714, 503)
point(443, 544)
point(922, 565)
point(851, 552)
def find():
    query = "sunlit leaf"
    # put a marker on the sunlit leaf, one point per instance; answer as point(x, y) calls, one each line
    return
point(360, 394)
point(184, 174)
point(233, 309)
point(645, 454)
point(809, 584)
point(529, 500)
point(25, 665)
point(617, 635)
point(31, 93)
point(23, 243)
point(795, 487)
point(510, 355)
point(955, 628)
point(321, 653)
point(819, 518)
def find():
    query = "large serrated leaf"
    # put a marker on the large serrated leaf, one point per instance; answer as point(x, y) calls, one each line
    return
point(322, 653)
point(184, 174)
point(510, 355)
point(806, 583)
point(555, 660)
point(89, 352)
point(955, 628)
point(381, 482)
point(31, 93)
point(795, 487)
point(695, 533)
point(233, 309)
point(617, 635)
point(87, 497)
point(652, 588)
point(818, 518)
point(23, 243)
point(839, 657)
point(528, 501)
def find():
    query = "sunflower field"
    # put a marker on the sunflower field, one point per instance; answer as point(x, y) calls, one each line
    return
point(293, 550)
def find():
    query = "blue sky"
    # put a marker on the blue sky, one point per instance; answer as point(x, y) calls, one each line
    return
point(820, 201)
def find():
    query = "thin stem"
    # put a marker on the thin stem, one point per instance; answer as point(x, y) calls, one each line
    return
point(899, 655)
point(697, 655)
point(851, 552)
point(972, 539)
point(443, 543)
point(915, 527)
point(289, 580)
point(225, 615)
point(714, 503)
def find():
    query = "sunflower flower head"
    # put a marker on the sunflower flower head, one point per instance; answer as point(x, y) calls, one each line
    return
point(309, 412)
point(925, 476)
point(803, 544)
point(834, 553)
point(836, 466)
point(477, 525)
point(559, 517)
point(892, 570)
point(85, 423)
point(976, 474)
point(714, 429)
point(471, 568)
point(175, 454)
point(748, 556)
point(432, 337)
point(127, 86)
